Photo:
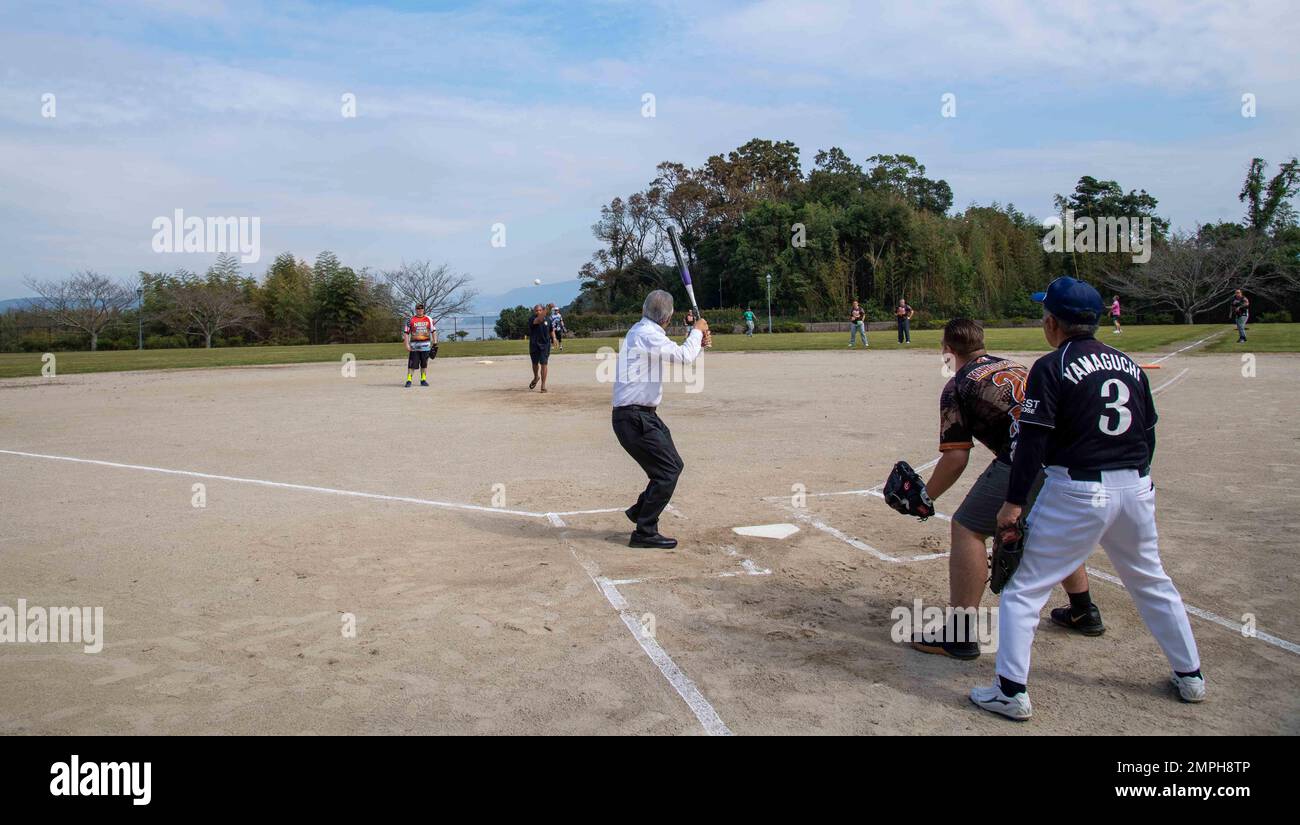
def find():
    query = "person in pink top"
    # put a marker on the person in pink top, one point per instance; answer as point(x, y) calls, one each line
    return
point(1114, 312)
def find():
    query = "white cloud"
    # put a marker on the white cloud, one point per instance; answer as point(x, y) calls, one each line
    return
point(470, 117)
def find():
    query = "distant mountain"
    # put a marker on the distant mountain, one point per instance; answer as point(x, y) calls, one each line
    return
point(561, 293)
point(16, 303)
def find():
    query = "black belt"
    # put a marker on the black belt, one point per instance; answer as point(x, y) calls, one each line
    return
point(1095, 475)
point(638, 408)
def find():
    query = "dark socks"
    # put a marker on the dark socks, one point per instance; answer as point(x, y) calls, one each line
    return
point(1196, 672)
point(1079, 602)
point(1010, 688)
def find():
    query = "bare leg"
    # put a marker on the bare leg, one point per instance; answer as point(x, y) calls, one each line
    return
point(968, 567)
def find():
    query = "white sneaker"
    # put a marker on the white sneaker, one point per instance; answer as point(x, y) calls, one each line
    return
point(993, 700)
point(1190, 688)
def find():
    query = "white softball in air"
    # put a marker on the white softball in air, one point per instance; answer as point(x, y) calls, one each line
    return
point(537, 281)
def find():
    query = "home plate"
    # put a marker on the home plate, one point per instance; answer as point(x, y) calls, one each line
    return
point(767, 531)
point(487, 362)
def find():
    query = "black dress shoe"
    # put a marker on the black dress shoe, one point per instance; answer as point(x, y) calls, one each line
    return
point(655, 542)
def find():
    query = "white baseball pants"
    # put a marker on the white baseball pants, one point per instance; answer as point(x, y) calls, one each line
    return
point(1067, 522)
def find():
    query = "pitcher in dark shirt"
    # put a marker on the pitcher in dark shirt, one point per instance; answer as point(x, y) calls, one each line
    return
point(539, 344)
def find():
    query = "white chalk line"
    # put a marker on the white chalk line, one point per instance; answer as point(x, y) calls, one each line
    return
point(1268, 638)
point(818, 524)
point(553, 517)
point(1171, 381)
point(691, 695)
point(1208, 616)
point(748, 568)
point(703, 711)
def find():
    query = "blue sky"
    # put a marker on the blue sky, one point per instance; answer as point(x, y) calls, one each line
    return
point(529, 114)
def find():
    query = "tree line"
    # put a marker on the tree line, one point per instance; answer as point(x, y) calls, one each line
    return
point(296, 302)
point(883, 230)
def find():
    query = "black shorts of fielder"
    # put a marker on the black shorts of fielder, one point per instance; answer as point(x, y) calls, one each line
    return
point(540, 355)
point(647, 439)
point(417, 358)
point(979, 510)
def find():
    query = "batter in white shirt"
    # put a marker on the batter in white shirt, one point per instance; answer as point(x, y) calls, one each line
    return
point(646, 354)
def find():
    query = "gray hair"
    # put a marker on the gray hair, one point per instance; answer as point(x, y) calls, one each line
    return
point(658, 307)
point(1072, 328)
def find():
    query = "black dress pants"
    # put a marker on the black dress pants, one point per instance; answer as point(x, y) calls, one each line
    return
point(646, 438)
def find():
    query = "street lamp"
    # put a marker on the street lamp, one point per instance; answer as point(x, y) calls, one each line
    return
point(139, 317)
point(769, 303)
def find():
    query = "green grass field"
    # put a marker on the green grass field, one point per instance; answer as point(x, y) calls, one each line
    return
point(1263, 338)
point(1259, 338)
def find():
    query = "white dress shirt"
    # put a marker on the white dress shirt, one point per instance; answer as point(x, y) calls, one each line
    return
point(646, 357)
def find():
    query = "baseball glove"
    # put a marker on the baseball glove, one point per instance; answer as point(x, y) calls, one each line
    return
point(433, 351)
point(1006, 556)
point(906, 493)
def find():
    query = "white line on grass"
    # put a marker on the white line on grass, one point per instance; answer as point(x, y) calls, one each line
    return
point(1189, 346)
point(704, 712)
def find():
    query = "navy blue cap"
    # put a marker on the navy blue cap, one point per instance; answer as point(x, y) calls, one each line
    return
point(1071, 300)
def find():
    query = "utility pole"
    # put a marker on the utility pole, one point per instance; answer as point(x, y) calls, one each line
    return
point(139, 317)
point(769, 303)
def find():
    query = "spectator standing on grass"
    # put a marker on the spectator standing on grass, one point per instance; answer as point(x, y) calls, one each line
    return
point(1240, 313)
point(1114, 312)
point(749, 322)
point(857, 325)
point(903, 314)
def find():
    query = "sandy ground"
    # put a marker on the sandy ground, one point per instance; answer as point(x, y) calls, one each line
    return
point(227, 618)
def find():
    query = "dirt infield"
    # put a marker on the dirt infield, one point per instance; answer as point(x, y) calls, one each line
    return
point(328, 496)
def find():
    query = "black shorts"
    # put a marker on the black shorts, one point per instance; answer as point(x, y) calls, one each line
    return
point(540, 355)
point(417, 358)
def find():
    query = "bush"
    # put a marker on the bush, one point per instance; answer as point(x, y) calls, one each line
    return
point(787, 326)
point(165, 342)
point(512, 324)
point(1151, 318)
point(582, 326)
point(1282, 317)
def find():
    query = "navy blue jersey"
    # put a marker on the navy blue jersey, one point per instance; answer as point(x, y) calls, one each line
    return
point(1097, 404)
point(539, 332)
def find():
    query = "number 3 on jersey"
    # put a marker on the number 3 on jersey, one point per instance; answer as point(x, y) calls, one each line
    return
point(1123, 417)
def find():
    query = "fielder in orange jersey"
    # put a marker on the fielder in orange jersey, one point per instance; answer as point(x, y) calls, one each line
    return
point(420, 336)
